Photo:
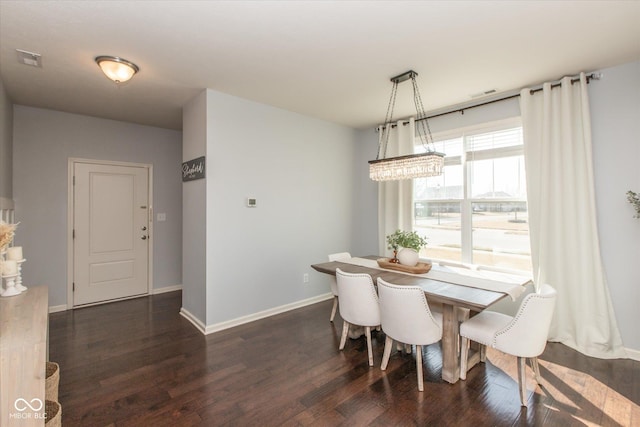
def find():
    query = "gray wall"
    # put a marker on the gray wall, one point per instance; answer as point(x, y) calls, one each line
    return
point(365, 213)
point(615, 125)
point(6, 144)
point(300, 170)
point(194, 197)
point(43, 141)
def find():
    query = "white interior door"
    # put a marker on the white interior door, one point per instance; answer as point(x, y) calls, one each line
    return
point(111, 232)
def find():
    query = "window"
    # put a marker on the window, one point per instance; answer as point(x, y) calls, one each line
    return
point(476, 211)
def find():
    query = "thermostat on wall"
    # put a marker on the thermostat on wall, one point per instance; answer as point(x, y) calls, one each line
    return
point(251, 202)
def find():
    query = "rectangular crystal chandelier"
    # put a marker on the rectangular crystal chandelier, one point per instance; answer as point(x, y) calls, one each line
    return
point(412, 165)
point(406, 167)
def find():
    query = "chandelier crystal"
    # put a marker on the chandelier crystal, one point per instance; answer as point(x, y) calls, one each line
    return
point(406, 167)
point(413, 165)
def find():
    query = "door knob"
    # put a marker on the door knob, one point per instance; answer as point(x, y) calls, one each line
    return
point(144, 237)
point(144, 228)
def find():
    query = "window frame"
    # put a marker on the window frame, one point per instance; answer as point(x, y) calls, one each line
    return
point(466, 202)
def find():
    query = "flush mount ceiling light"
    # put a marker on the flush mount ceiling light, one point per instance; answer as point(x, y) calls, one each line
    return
point(117, 69)
point(412, 165)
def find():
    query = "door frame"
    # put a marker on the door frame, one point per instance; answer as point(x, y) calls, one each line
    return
point(70, 220)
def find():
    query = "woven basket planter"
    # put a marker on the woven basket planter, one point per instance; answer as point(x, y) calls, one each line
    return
point(53, 414)
point(52, 381)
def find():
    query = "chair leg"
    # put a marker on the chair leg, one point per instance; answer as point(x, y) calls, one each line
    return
point(464, 357)
point(399, 346)
point(419, 367)
point(483, 353)
point(367, 332)
point(345, 331)
point(388, 344)
point(334, 309)
point(522, 380)
point(463, 315)
point(535, 367)
point(407, 348)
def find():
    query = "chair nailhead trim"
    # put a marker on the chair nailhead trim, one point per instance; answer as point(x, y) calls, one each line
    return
point(412, 288)
point(517, 316)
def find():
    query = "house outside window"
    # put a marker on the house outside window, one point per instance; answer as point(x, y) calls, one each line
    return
point(476, 211)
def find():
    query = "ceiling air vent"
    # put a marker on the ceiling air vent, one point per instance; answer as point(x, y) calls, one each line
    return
point(485, 93)
point(29, 58)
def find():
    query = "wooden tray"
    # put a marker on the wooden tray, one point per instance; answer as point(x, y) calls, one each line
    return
point(422, 267)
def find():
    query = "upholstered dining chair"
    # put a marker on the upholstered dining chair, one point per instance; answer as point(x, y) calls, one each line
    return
point(523, 335)
point(358, 305)
point(334, 286)
point(406, 318)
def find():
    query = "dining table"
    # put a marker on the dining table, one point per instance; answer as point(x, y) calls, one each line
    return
point(451, 287)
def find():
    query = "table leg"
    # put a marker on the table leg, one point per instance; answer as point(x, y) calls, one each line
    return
point(474, 354)
point(450, 336)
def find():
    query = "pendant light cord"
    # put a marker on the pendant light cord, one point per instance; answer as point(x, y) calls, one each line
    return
point(386, 127)
point(424, 131)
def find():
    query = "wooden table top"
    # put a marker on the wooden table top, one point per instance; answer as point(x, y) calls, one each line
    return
point(447, 293)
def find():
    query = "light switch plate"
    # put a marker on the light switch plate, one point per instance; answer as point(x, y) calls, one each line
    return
point(252, 202)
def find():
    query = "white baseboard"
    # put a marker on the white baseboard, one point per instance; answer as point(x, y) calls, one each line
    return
point(193, 319)
point(266, 313)
point(209, 329)
point(633, 354)
point(156, 291)
point(57, 308)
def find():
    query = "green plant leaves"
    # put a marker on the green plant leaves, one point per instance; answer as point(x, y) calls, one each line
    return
point(406, 239)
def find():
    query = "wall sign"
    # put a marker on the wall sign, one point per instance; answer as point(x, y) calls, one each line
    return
point(193, 169)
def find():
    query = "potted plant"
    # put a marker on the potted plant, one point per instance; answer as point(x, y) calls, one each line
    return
point(410, 242)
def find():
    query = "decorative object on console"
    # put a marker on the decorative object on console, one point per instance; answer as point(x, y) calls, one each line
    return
point(411, 165)
point(7, 232)
point(9, 268)
point(14, 253)
point(10, 280)
point(9, 274)
point(9, 262)
point(19, 286)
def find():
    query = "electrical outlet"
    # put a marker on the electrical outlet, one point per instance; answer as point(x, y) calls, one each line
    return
point(305, 277)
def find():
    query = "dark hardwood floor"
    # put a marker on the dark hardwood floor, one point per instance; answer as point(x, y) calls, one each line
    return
point(139, 363)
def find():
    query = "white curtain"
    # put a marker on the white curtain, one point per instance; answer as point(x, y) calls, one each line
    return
point(565, 249)
point(395, 204)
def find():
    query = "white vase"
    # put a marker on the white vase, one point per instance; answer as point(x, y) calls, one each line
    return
point(408, 257)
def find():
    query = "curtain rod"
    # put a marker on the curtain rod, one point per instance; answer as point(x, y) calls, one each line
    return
point(592, 76)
